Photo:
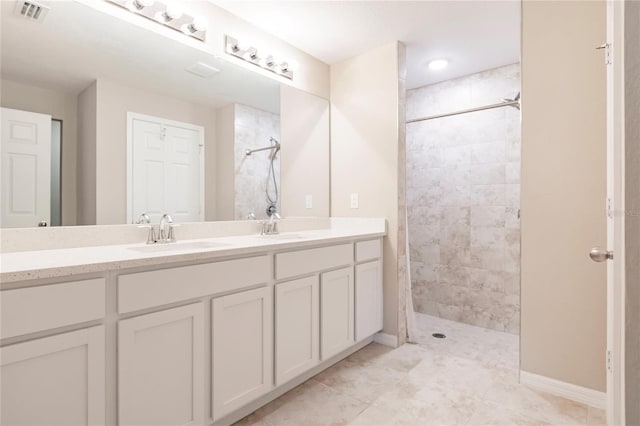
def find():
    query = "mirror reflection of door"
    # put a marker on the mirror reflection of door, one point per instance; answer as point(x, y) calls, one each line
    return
point(27, 163)
point(166, 169)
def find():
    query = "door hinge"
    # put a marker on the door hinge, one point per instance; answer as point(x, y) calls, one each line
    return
point(609, 362)
point(607, 52)
point(609, 208)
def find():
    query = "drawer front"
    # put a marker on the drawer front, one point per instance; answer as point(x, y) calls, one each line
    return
point(367, 250)
point(28, 310)
point(154, 288)
point(313, 260)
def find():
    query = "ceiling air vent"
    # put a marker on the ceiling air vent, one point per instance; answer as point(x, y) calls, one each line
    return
point(31, 10)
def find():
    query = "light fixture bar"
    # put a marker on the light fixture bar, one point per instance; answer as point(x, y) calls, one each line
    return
point(169, 15)
point(250, 54)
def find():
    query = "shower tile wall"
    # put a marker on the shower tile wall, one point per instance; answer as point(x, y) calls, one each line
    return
point(253, 128)
point(463, 196)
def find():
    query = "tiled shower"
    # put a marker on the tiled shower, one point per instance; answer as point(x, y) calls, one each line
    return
point(463, 198)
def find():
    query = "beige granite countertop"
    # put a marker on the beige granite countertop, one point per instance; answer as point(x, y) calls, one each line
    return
point(41, 264)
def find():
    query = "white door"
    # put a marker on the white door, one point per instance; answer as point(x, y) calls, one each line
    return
point(58, 380)
point(166, 171)
point(161, 368)
point(297, 328)
point(336, 312)
point(26, 168)
point(368, 299)
point(242, 349)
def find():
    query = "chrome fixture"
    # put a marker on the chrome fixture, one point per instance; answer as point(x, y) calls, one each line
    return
point(268, 62)
point(515, 103)
point(31, 10)
point(272, 200)
point(599, 255)
point(251, 216)
point(143, 219)
point(169, 14)
point(165, 229)
point(270, 227)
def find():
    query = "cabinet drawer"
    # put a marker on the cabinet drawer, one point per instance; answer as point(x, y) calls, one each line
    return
point(367, 250)
point(306, 261)
point(154, 288)
point(28, 310)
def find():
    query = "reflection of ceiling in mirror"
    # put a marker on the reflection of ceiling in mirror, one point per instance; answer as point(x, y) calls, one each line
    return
point(76, 45)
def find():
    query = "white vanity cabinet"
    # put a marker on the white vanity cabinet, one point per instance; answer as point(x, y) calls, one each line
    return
point(161, 368)
point(337, 311)
point(56, 380)
point(368, 288)
point(297, 327)
point(196, 342)
point(241, 348)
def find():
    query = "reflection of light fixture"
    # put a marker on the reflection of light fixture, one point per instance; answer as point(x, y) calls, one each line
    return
point(438, 64)
point(136, 5)
point(169, 14)
point(174, 11)
point(271, 62)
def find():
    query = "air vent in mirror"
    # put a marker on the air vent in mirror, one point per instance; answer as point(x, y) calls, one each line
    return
point(31, 10)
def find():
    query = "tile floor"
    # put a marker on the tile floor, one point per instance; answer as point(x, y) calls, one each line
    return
point(469, 378)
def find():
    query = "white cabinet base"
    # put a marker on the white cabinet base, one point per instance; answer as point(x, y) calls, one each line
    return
point(297, 327)
point(57, 380)
point(242, 349)
point(368, 299)
point(161, 368)
point(336, 311)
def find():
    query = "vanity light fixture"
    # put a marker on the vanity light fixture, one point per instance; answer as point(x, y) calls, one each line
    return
point(270, 62)
point(170, 14)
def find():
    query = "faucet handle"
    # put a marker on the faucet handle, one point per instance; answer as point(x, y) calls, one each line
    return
point(151, 236)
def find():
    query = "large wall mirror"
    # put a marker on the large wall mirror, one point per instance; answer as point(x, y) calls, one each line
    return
point(104, 122)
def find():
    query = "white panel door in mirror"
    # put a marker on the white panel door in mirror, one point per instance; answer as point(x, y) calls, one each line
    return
point(166, 171)
point(26, 165)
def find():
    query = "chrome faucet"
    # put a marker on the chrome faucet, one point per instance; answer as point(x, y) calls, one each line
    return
point(165, 230)
point(270, 227)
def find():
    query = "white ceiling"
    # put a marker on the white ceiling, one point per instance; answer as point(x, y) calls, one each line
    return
point(472, 35)
point(75, 45)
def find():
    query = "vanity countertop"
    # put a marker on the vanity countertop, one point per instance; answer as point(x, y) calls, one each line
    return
point(41, 264)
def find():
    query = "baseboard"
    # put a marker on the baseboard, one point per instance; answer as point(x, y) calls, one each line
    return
point(570, 391)
point(386, 339)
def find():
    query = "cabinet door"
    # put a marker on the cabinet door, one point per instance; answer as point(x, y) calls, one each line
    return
point(161, 368)
point(58, 380)
point(242, 349)
point(336, 316)
point(368, 299)
point(297, 327)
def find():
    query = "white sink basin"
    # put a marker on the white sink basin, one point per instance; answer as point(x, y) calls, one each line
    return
point(163, 247)
point(284, 237)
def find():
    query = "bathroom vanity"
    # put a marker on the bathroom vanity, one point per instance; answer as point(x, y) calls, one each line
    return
point(197, 332)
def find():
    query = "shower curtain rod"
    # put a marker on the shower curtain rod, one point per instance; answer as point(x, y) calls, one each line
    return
point(515, 103)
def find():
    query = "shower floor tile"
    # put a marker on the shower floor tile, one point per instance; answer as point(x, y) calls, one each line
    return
point(468, 378)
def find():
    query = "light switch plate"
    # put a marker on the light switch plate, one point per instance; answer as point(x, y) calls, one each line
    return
point(354, 200)
point(308, 201)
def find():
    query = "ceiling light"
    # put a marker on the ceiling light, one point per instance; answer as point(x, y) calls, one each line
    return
point(136, 5)
point(438, 64)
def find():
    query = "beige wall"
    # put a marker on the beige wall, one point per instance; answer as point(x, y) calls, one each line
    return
point(113, 103)
point(364, 151)
point(59, 105)
point(632, 207)
point(563, 334)
point(86, 172)
point(225, 165)
point(304, 133)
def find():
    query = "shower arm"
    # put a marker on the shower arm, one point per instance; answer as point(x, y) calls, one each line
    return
point(248, 152)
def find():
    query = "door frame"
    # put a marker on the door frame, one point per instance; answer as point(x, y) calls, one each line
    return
point(131, 116)
point(615, 368)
